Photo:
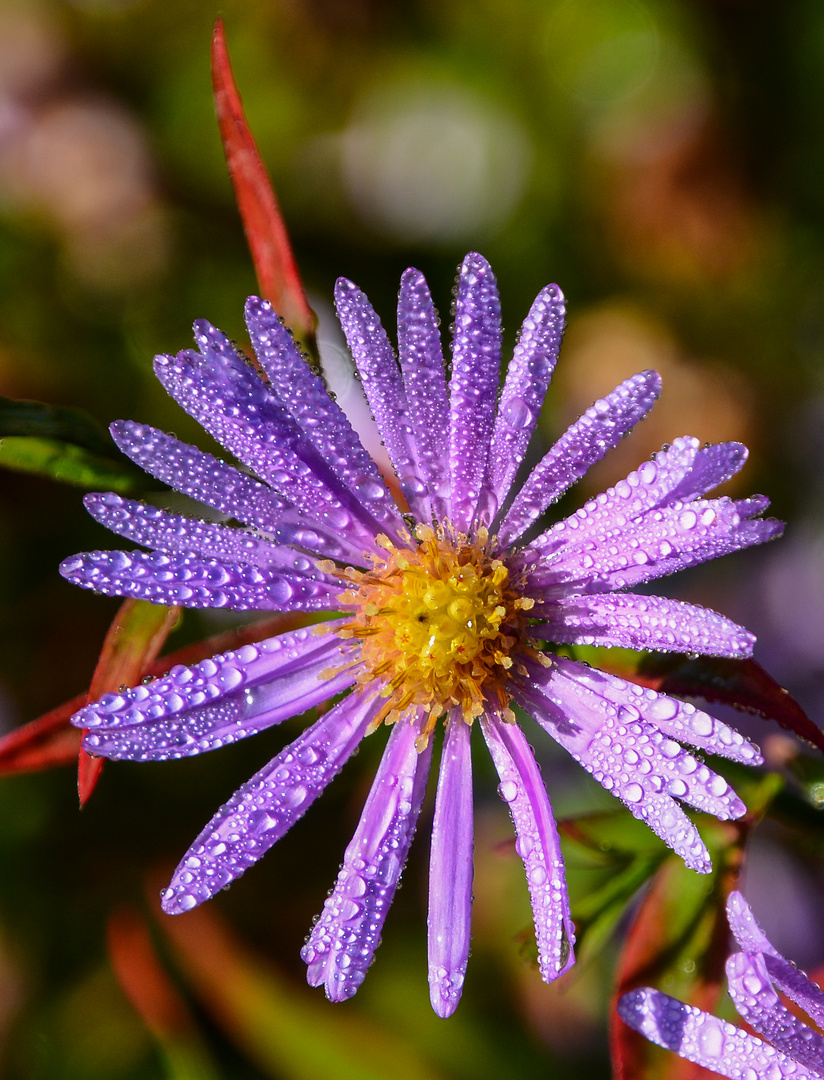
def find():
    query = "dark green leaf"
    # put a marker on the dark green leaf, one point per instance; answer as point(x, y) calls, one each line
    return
point(72, 464)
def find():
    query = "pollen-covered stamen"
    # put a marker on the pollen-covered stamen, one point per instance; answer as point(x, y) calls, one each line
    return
point(438, 623)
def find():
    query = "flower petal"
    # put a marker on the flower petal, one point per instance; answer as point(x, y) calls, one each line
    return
point(620, 554)
point(176, 533)
point(224, 394)
point(757, 1002)
point(677, 719)
point(242, 695)
point(322, 419)
point(196, 583)
point(476, 360)
point(382, 384)
point(644, 622)
point(265, 807)
point(239, 671)
point(343, 941)
point(199, 475)
point(695, 1035)
point(422, 364)
point(525, 793)
point(631, 758)
point(599, 429)
point(527, 379)
point(450, 871)
point(680, 472)
point(786, 976)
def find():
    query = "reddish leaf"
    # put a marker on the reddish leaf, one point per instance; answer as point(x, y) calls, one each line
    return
point(142, 977)
point(263, 224)
point(135, 637)
point(44, 743)
point(741, 683)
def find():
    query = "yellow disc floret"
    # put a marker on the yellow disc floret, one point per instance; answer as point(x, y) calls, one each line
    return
point(438, 624)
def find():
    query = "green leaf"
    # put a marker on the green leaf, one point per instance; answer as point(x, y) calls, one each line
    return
point(56, 422)
point(71, 464)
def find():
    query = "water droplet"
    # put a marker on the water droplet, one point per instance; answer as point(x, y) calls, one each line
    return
point(711, 1038)
point(517, 413)
point(508, 790)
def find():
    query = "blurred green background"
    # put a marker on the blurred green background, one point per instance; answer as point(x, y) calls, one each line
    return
point(663, 161)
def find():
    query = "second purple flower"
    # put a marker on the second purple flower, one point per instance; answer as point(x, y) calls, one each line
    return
point(444, 607)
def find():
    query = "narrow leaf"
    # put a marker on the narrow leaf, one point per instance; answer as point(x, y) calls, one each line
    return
point(155, 998)
point(263, 223)
point(44, 743)
point(58, 422)
point(71, 464)
point(743, 684)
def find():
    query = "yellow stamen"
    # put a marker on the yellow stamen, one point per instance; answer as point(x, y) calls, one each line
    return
point(438, 623)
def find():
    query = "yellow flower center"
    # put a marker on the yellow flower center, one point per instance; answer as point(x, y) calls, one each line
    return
point(438, 624)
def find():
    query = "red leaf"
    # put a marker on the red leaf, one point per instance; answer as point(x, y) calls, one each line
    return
point(743, 684)
point(44, 743)
point(263, 224)
point(142, 977)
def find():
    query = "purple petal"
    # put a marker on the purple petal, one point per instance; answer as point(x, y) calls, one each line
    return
point(422, 364)
point(644, 622)
point(450, 871)
point(621, 554)
point(176, 533)
point(711, 466)
point(525, 793)
point(785, 975)
point(382, 385)
point(649, 487)
point(199, 475)
point(343, 941)
point(751, 990)
point(600, 428)
point(476, 360)
point(242, 693)
point(704, 1039)
point(527, 379)
point(629, 757)
point(239, 671)
point(267, 806)
point(677, 719)
point(196, 583)
point(210, 727)
point(305, 396)
point(223, 393)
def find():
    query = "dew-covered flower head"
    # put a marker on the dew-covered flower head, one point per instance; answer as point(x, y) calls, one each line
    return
point(443, 591)
point(755, 975)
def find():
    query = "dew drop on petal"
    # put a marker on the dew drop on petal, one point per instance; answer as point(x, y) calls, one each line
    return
point(711, 1038)
point(517, 413)
point(508, 790)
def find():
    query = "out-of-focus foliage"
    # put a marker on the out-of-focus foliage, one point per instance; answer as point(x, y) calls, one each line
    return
point(663, 160)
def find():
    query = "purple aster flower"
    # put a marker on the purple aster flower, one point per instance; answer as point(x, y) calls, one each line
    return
point(443, 607)
point(754, 976)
